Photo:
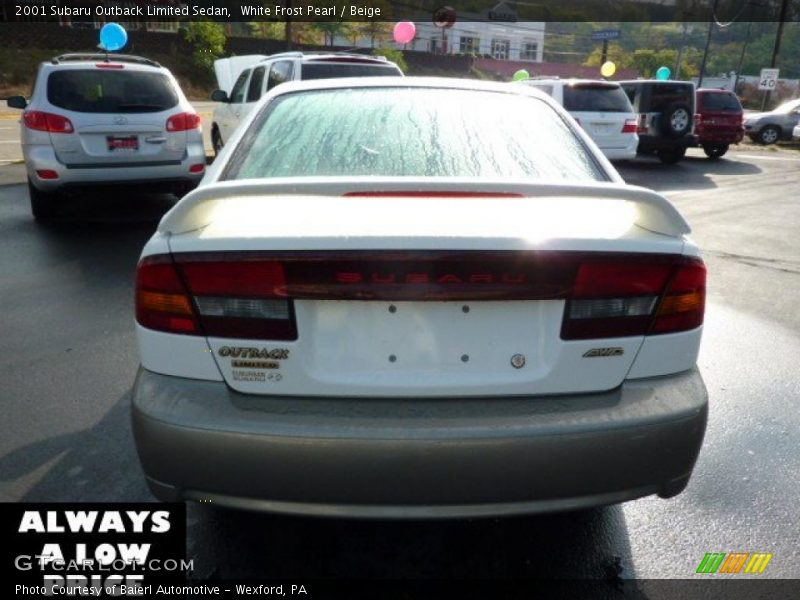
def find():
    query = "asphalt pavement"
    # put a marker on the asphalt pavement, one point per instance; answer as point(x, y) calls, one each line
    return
point(68, 359)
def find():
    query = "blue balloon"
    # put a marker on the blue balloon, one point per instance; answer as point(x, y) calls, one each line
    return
point(113, 37)
point(663, 73)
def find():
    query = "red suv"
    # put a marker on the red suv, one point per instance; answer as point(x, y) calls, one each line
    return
point(718, 121)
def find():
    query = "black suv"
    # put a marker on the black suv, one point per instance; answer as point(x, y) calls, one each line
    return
point(666, 116)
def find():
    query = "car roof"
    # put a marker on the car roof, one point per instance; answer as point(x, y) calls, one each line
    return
point(655, 81)
point(569, 81)
point(81, 60)
point(328, 56)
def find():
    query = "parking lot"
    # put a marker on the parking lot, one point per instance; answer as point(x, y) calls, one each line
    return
point(68, 358)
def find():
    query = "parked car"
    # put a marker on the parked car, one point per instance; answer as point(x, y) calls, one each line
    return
point(601, 108)
point(796, 133)
point(242, 80)
point(775, 125)
point(95, 119)
point(446, 303)
point(666, 115)
point(718, 122)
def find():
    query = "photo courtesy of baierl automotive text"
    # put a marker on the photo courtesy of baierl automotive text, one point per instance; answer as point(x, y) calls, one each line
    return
point(393, 299)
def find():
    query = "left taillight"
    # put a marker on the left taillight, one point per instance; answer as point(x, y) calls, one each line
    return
point(218, 298)
point(162, 301)
point(630, 126)
point(183, 121)
point(45, 121)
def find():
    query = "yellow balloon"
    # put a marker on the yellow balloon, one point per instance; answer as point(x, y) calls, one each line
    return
point(608, 69)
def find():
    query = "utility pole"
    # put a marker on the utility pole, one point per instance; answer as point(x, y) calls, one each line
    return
point(777, 48)
point(744, 49)
point(686, 29)
point(287, 28)
point(711, 22)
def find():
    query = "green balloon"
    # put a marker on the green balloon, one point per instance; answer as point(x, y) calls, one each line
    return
point(521, 75)
point(663, 73)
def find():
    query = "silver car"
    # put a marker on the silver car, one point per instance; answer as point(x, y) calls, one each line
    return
point(98, 120)
point(773, 126)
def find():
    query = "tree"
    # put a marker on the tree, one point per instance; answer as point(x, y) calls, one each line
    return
point(208, 42)
point(648, 61)
point(267, 29)
point(376, 31)
point(394, 55)
point(330, 30)
point(616, 54)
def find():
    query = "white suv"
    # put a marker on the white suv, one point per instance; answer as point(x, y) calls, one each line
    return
point(244, 79)
point(95, 119)
point(601, 108)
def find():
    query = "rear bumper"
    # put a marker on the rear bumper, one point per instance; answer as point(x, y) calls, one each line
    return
point(43, 157)
point(417, 458)
point(723, 136)
point(653, 143)
point(627, 152)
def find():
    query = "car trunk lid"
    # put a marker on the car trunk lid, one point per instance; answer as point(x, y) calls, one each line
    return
point(120, 139)
point(448, 292)
point(606, 129)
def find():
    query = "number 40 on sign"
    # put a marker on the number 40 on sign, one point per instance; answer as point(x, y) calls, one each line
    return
point(768, 79)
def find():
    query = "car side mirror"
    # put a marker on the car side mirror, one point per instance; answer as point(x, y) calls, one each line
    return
point(220, 96)
point(17, 102)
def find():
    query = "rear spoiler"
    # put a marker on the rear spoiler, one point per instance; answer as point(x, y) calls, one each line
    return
point(653, 212)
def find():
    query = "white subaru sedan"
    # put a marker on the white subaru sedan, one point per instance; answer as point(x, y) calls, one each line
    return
point(417, 298)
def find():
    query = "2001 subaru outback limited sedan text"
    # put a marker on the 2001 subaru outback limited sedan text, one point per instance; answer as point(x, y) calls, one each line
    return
point(417, 298)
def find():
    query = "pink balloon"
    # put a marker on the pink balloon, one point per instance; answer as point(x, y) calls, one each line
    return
point(404, 32)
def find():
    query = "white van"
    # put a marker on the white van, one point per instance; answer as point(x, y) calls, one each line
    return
point(601, 107)
point(242, 80)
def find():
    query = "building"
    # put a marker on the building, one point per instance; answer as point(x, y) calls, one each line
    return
point(494, 33)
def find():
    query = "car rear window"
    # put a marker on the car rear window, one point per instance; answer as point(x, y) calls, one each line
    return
point(589, 97)
point(663, 95)
point(110, 91)
point(414, 132)
point(547, 89)
point(327, 70)
point(727, 102)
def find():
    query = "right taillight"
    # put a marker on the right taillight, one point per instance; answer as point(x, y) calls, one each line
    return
point(683, 305)
point(44, 121)
point(183, 122)
point(622, 298)
point(642, 126)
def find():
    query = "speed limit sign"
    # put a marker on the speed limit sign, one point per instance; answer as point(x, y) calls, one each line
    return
point(768, 80)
